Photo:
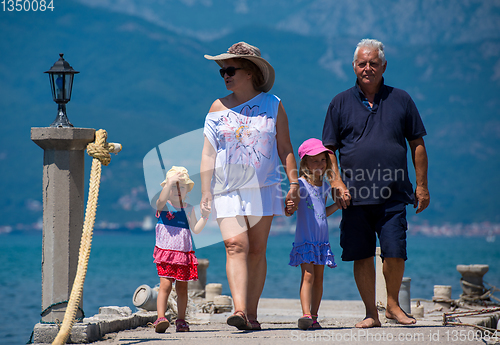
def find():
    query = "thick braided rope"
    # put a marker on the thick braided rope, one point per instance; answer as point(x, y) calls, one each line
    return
point(100, 148)
point(100, 151)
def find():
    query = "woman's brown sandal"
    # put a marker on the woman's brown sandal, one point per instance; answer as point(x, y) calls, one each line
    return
point(239, 320)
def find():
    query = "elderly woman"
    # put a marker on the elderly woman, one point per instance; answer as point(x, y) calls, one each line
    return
point(246, 137)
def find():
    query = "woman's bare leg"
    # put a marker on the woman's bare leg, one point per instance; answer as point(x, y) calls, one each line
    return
point(257, 262)
point(236, 242)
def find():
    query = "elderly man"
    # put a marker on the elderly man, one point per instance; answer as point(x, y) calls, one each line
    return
point(369, 125)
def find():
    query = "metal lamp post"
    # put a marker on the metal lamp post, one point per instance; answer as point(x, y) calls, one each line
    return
point(61, 82)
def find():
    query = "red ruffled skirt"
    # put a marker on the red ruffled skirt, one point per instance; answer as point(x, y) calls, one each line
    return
point(177, 265)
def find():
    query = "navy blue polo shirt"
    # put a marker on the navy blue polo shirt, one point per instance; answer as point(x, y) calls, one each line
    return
point(372, 143)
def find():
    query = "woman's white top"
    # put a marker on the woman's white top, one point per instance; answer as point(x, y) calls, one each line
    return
point(244, 138)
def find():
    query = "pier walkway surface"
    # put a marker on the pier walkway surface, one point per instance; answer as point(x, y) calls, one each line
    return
point(279, 326)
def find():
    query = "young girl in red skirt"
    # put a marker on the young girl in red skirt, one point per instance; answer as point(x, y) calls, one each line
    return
point(173, 253)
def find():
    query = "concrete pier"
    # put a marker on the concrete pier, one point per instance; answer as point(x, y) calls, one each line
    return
point(63, 212)
point(279, 327)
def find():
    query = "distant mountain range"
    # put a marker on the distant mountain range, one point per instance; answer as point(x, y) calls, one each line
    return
point(398, 22)
point(144, 79)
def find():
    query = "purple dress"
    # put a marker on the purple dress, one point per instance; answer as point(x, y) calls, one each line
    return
point(311, 243)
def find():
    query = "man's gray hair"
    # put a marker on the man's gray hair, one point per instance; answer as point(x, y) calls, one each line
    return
point(371, 44)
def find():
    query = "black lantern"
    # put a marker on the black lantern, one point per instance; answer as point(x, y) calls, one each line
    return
point(61, 83)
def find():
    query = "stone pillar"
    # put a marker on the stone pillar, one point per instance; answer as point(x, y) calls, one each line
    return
point(199, 285)
point(63, 212)
point(472, 280)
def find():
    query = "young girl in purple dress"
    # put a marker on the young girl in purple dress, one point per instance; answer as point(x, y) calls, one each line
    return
point(311, 248)
point(173, 253)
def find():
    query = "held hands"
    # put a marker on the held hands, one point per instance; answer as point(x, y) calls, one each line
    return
point(289, 208)
point(206, 204)
point(341, 194)
point(422, 198)
point(292, 200)
point(205, 208)
point(205, 211)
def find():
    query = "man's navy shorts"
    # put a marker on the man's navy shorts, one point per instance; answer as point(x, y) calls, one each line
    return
point(360, 224)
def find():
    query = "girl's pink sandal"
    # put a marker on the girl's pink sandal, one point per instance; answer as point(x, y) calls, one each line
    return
point(181, 325)
point(315, 325)
point(305, 322)
point(255, 325)
point(161, 324)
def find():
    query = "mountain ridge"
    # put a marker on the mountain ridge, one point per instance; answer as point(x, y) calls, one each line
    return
point(392, 21)
point(146, 84)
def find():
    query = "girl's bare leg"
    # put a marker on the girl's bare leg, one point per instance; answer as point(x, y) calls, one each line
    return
point(182, 298)
point(306, 287)
point(163, 293)
point(317, 288)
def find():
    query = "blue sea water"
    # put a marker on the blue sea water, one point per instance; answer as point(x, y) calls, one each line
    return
point(121, 261)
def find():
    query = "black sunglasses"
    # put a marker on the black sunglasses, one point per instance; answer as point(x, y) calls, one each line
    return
point(231, 71)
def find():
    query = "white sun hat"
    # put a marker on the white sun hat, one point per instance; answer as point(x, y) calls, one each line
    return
point(183, 178)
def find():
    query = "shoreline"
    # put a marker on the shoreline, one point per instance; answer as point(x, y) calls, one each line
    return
point(286, 226)
point(436, 231)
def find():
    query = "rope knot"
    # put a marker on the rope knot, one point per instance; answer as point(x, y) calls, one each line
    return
point(100, 149)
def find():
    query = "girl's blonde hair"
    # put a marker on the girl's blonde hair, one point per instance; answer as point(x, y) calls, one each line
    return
point(305, 173)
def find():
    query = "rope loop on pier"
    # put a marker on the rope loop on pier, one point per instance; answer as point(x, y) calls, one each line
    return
point(100, 151)
point(46, 310)
point(486, 294)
